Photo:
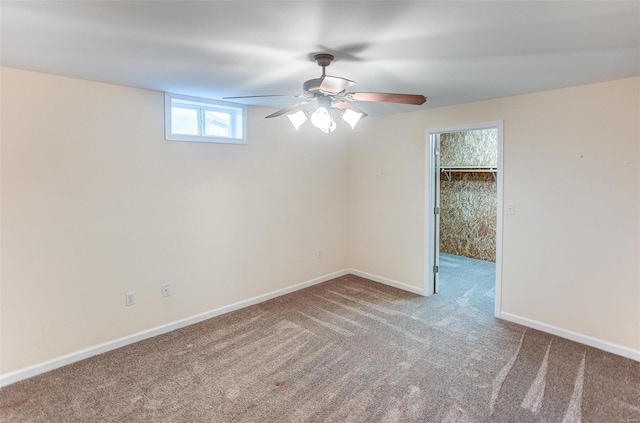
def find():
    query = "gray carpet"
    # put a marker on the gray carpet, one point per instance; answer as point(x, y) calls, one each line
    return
point(348, 350)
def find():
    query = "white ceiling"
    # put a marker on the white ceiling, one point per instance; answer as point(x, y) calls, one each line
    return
point(452, 52)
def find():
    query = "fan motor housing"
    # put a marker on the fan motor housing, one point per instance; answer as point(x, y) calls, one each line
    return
point(323, 59)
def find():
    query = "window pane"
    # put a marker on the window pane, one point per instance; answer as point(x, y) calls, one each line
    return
point(217, 124)
point(184, 121)
point(203, 120)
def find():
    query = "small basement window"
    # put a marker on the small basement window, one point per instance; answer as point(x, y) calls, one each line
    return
point(203, 120)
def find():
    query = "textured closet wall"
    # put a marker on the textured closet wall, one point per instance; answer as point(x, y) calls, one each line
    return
point(468, 202)
point(469, 148)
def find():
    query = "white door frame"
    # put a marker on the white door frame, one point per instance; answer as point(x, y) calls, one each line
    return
point(429, 205)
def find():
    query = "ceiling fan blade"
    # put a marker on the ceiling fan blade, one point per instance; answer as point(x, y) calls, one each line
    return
point(332, 85)
point(344, 105)
point(290, 109)
point(387, 98)
point(267, 95)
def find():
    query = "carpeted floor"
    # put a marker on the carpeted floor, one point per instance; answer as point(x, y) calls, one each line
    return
point(348, 350)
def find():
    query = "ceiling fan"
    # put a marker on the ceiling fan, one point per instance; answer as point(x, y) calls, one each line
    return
point(329, 97)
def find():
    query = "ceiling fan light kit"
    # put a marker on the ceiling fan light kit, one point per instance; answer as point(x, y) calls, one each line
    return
point(328, 96)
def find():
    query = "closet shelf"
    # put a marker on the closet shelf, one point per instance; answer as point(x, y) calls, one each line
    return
point(448, 170)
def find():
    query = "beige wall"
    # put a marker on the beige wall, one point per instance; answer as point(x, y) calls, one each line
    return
point(571, 166)
point(96, 203)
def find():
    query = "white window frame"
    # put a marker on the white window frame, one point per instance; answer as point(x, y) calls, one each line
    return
point(238, 115)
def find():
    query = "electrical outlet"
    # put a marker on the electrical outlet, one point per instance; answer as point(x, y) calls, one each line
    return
point(319, 254)
point(130, 298)
point(165, 290)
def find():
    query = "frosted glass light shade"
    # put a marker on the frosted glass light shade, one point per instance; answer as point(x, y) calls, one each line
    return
point(351, 117)
point(298, 118)
point(321, 118)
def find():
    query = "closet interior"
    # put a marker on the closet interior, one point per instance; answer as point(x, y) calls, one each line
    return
point(468, 204)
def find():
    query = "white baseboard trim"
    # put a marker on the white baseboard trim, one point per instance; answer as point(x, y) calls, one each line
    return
point(389, 282)
point(36, 369)
point(574, 336)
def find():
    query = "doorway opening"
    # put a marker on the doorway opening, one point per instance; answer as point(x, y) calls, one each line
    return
point(464, 206)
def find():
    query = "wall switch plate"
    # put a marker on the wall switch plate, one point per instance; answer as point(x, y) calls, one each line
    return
point(130, 298)
point(319, 254)
point(511, 208)
point(165, 290)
